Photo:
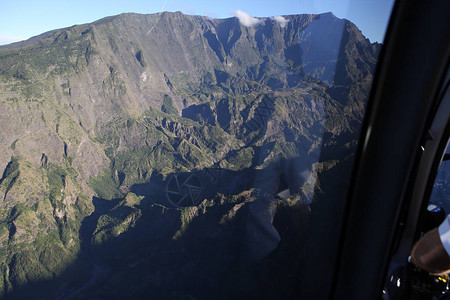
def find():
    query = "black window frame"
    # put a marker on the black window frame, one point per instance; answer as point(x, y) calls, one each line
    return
point(404, 97)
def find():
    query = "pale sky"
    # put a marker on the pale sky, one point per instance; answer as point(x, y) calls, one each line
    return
point(22, 19)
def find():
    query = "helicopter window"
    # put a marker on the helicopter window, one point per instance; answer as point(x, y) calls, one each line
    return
point(441, 189)
point(197, 158)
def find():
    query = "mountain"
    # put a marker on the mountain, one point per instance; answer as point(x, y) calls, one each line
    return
point(139, 144)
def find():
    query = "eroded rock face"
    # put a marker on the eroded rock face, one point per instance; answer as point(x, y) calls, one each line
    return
point(98, 111)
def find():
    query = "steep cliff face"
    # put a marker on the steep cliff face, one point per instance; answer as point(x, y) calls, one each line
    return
point(118, 107)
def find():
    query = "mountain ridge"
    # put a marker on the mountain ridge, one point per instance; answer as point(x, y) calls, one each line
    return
point(111, 18)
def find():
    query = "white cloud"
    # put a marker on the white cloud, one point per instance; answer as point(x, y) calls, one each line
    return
point(7, 39)
point(144, 76)
point(280, 20)
point(188, 10)
point(245, 19)
point(209, 14)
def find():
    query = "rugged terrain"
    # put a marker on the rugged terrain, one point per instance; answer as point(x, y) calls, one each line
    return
point(136, 149)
